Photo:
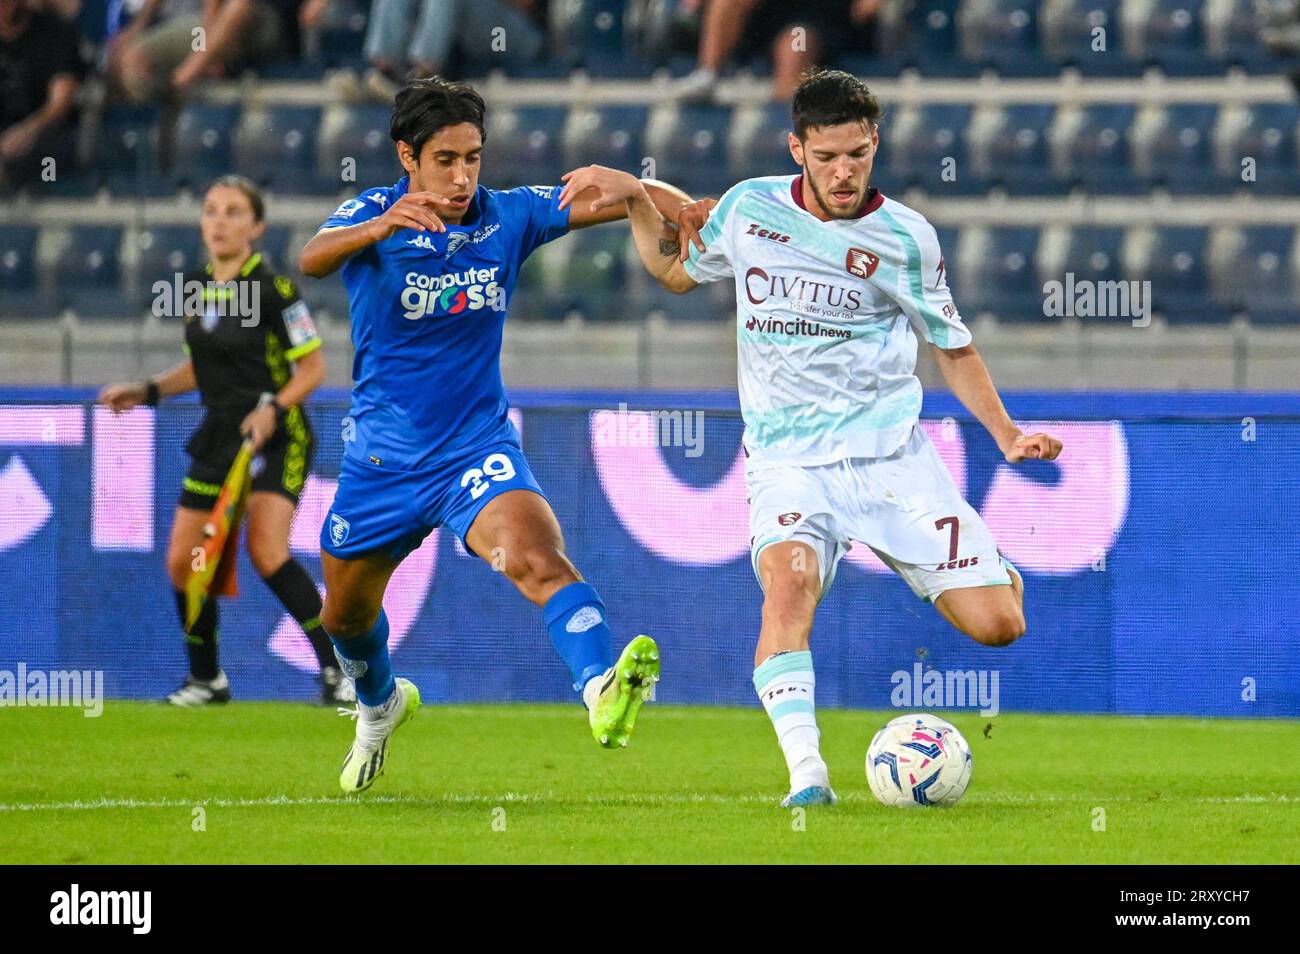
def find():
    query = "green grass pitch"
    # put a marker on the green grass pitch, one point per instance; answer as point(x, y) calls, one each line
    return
point(525, 783)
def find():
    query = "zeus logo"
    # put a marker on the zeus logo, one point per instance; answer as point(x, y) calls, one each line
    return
point(452, 294)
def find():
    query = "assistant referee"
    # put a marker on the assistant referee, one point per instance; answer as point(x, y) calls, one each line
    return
point(254, 355)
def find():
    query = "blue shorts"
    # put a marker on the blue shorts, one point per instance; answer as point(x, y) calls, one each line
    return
point(391, 511)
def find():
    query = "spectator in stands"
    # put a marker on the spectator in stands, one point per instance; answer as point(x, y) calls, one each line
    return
point(486, 32)
point(67, 10)
point(160, 53)
point(1280, 32)
point(738, 26)
point(40, 73)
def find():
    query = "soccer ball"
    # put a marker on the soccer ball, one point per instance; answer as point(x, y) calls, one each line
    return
point(918, 760)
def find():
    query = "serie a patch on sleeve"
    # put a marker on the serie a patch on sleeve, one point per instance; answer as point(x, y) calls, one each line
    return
point(297, 320)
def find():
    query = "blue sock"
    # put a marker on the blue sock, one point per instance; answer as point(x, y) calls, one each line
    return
point(365, 659)
point(575, 618)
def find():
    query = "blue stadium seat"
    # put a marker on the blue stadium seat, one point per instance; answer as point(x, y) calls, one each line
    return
point(600, 33)
point(203, 144)
point(525, 146)
point(20, 295)
point(693, 153)
point(999, 275)
point(276, 148)
point(1093, 153)
point(766, 151)
point(1003, 34)
point(614, 136)
point(1269, 138)
point(1014, 154)
point(1233, 37)
point(126, 152)
point(1178, 150)
point(362, 136)
point(164, 250)
point(343, 34)
point(595, 272)
point(1094, 253)
point(1259, 275)
point(1177, 265)
point(1172, 37)
point(925, 36)
point(90, 273)
point(275, 249)
point(916, 147)
point(1087, 34)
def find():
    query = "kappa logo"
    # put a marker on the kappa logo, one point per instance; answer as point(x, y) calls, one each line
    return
point(789, 519)
point(860, 262)
point(339, 529)
point(583, 620)
point(425, 242)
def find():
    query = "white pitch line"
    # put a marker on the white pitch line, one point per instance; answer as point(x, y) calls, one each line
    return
point(452, 798)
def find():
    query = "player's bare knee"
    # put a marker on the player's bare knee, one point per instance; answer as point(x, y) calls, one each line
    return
point(998, 629)
point(347, 622)
point(790, 597)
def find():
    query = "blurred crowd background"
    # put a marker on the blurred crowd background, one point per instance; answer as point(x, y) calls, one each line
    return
point(1145, 140)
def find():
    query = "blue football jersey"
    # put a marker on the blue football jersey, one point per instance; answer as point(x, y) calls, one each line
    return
point(428, 311)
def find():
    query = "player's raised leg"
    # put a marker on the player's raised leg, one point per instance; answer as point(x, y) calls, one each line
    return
point(353, 616)
point(992, 615)
point(517, 533)
point(783, 667)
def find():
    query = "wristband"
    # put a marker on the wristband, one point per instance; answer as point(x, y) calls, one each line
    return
point(152, 393)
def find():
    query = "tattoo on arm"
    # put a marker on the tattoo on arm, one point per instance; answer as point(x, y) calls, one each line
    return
point(668, 248)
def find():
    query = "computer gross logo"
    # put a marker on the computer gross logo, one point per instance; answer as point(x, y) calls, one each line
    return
point(452, 293)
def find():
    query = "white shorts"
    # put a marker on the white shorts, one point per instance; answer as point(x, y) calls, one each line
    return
point(905, 507)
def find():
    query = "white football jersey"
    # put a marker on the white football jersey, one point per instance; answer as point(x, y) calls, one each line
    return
point(825, 313)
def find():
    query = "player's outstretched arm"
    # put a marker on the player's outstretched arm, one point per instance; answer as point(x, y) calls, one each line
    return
point(659, 244)
point(126, 395)
point(656, 238)
point(968, 378)
point(590, 206)
point(331, 247)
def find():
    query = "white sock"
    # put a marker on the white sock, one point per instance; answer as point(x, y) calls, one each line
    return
point(591, 691)
point(375, 713)
point(785, 685)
